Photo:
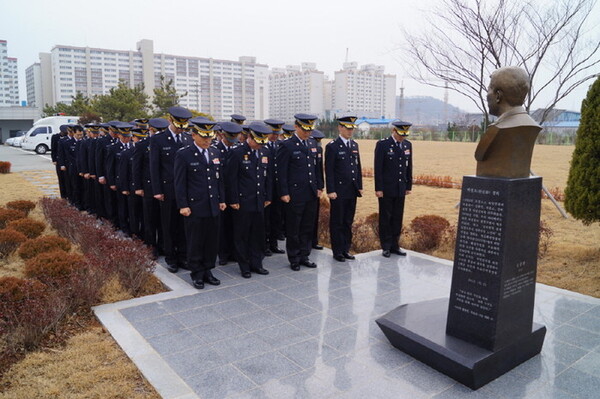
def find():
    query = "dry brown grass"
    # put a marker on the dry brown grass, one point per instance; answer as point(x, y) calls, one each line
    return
point(90, 366)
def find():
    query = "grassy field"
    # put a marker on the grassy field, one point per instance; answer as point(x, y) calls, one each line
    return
point(573, 258)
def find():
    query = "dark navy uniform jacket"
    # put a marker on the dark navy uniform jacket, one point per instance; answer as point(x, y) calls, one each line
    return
point(124, 182)
point(92, 156)
point(343, 169)
point(54, 146)
point(101, 147)
point(225, 152)
point(248, 179)
point(71, 152)
point(199, 184)
point(162, 159)
point(297, 170)
point(82, 156)
point(141, 168)
point(272, 147)
point(393, 167)
point(63, 148)
point(113, 157)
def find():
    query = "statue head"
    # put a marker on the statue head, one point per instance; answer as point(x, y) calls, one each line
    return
point(508, 88)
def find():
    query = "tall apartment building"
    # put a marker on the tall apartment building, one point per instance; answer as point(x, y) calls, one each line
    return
point(9, 78)
point(296, 88)
point(218, 87)
point(367, 91)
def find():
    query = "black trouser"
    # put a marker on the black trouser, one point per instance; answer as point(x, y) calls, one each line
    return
point(61, 182)
point(123, 212)
point(134, 207)
point(110, 204)
point(248, 233)
point(273, 224)
point(151, 216)
point(76, 190)
point(99, 194)
point(89, 204)
point(391, 211)
point(226, 244)
point(67, 182)
point(202, 234)
point(340, 224)
point(315, 235)
point(174, 238)
point(299, 223)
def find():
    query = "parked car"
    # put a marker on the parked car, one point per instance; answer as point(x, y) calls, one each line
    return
point(16, 140)
point(38, 137)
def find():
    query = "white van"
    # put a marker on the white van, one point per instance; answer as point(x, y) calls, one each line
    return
point(38, 137)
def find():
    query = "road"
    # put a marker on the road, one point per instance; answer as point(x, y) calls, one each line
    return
point(22, 160)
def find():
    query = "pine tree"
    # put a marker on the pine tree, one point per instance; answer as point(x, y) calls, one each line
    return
point(582, 195)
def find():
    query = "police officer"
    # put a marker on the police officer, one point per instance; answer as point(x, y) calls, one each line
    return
point(318, 136)
point(85, 167)
point(393, 181)
point(72, 168)
point(54, 140)
point(116, 166)
point(163, 147)
point(230, 134)
point(300, 186)
point(248, 181)
point(134, 202)
point(110, 196)
point(200, 198)
point(288, 131)
point(344, 185)
point(142, 186)
point(274, 211)
point(62, 160)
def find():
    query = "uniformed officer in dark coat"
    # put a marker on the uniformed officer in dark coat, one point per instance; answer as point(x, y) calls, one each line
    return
point(134, 202)
point(62, 160)
point(248, 181)
point(116, 176)
point(344, 185)
point(110, 196)
point(274, 212)
point(95, 188)
point(288, 131)
point(85, 167)
point(318, 136)
point(99, 192)
point(73, 167)
point(142, 186)
point(54, 141)
point(393, 181)
point(200, 199)
point(163, 147)
point(230, 134)
point(300, 186)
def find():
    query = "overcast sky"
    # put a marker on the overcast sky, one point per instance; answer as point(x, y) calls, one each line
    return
point(276, 32)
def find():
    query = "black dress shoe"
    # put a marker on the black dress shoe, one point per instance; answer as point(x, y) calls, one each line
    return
point(348, 256)
point(198, 284)
point(339, 258)
point(268, 252)
point(308, 263)
point(210, 279)
point(295, 267)
point(222, 262)
point(172, 268)
point(262, 271)
point(277, 250)
point(386, 253)
point(398, 252)
point(246, 274)
point(317, 246)
point(281, 237)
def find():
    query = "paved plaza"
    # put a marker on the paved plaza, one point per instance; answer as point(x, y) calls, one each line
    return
point(312, 334)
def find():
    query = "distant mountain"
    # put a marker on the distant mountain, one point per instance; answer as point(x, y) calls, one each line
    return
point(423, 110)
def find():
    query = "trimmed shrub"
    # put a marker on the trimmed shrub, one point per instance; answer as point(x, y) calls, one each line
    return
point(21, 205)
point(32, 248)
point(5, 167)
point(428, 231)
point(10, 241)
point(31, 228)
point(8, 215)
point(28, 310)
point(53, 268)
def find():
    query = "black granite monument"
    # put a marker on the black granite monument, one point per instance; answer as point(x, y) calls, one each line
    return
point(486, 327)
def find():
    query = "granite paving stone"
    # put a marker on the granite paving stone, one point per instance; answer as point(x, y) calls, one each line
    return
point(312, 334)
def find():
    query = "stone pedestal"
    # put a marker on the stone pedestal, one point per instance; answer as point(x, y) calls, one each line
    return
point(487, 325)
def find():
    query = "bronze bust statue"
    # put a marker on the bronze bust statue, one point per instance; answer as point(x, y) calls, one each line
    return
point(506, 147)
